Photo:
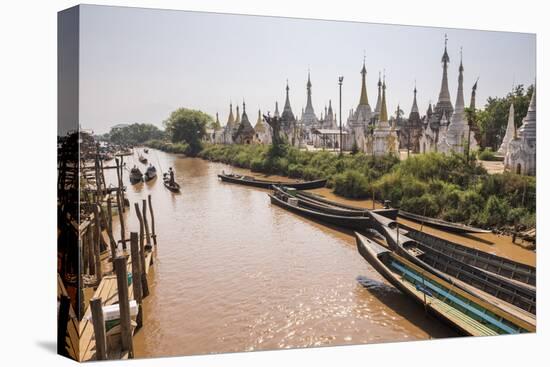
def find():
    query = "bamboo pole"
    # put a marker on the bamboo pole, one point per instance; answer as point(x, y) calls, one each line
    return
point(144, 283)
point(121, 218)
point(120, 183)
point(109, 224)
point(136, 275)
point(146, 226)
point(153, 232)
point(97, 244)
point(99, 329)
point(124, 306)
point(91, 254)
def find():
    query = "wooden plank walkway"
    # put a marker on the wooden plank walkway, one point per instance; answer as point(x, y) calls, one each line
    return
point(107, 290)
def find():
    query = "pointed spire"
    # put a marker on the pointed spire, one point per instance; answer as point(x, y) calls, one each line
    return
point(364, 100)
point(459, 105)
point(287, 114)
point(383, 110)
point(231, 118)
point(414, 107)
point(259, 127)
point(238, 118)
point(511, 132)
point(379, 99)
point(444, 92)
point(276, 113)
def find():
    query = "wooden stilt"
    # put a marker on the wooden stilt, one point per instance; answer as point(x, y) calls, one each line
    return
point(153, 232)
point(148, 245)
point(98, 322)
point(144, 284)
point(124, 306)
point(136, 275)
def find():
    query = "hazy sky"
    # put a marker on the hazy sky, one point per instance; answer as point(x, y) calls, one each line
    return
point(138, 65)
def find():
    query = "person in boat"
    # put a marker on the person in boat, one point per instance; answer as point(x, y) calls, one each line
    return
point(171, 172)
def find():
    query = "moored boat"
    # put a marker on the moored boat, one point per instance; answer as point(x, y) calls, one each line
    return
point(265, 184)
point(469, 278)
point(469, 314)
point(488, 262)
point(295, 206)
point(136, 176)
point(150, 173)
point(145, 150)
point(441, 224)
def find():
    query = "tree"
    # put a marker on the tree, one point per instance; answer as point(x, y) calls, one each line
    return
point(187, 126)
point(492, 121)
point(134, 134)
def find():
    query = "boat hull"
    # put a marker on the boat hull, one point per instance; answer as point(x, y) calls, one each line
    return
point(269, 184)
point(355, 223)
point(473, 315)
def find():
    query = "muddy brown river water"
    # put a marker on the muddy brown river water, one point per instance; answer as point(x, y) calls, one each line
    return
point(235, 273)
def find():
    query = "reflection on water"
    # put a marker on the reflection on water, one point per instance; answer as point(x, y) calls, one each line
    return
point(234, 273)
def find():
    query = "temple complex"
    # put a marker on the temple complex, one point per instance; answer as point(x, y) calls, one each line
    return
point(227, 135)
point(262, 131)
point(245, 132)
point(510, 131)
point(359, 120)
point(521, 151)
point(385, 140)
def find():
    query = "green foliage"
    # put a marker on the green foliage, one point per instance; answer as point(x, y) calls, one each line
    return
point(133, 134)
point(351, 184)
point(493, 120)
point(430, 184)
point(188, 126)
point(486, 155)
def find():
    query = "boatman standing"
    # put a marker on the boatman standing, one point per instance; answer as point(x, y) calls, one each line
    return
point(171, 172)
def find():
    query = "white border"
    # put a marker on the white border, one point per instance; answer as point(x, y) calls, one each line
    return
point(28, 110)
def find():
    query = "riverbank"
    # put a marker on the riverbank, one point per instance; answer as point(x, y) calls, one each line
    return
point(431, 184)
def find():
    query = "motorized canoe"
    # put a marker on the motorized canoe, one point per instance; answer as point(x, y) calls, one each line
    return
point(265, 184)
point(469, 278)
point(488, 262)
point(293, 205)
point(441, 224)
point(312, 204)
point(174, 186)
point(467, 313)
point(501, 266)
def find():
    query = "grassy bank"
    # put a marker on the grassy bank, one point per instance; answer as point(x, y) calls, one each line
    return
point(430, 184)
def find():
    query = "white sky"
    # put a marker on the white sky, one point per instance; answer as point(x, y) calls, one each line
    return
point(138, 65)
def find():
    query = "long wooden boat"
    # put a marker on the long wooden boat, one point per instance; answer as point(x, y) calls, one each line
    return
point(322, 200)
point(467, 313)
point(500, 266)
point(293, 205)
point(470, 278)
point(433, 222)
point(264, 184)
point(441, 224)
point(174, 187)
point(488, 262)
point(312, 204)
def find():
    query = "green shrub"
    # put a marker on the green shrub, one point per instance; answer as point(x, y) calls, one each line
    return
point(351, 184)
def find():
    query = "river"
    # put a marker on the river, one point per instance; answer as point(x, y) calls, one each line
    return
point(235, 273)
